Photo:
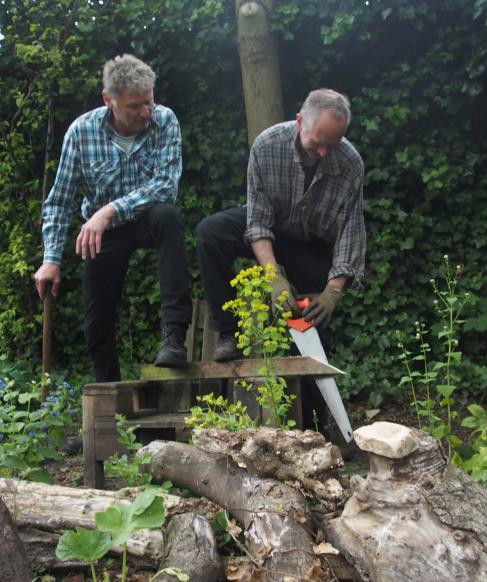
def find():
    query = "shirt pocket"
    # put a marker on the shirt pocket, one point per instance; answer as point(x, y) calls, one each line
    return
point(102, 176)
point(145, 168)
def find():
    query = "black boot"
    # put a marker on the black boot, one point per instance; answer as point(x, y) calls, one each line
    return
point(226, 348)
point(173, 352)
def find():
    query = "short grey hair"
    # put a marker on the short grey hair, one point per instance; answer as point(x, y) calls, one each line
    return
point(324, 99)
point(126, 72)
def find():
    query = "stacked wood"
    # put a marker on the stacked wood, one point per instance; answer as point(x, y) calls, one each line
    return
point(277, 522)
point(415, 517)
point(302, 459)
point(43, 512)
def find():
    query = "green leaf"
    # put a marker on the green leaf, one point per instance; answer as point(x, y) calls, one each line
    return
point(83, 544)
point(38, 475)
point(445, 390)
point(147, 511)
point(477, 411)
point(180, 575)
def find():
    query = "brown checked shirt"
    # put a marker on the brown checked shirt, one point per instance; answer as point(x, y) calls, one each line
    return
point(330, 209)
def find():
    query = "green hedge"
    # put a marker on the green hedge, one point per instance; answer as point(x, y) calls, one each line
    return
point(415, 73)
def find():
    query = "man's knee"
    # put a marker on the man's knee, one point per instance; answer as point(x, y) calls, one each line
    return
point(164, 212)
point(207, 230)
point(223, 228)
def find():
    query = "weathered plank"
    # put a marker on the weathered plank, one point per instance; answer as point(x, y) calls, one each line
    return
point(289, 367)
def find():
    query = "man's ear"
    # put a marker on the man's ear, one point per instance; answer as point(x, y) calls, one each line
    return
point(299, 120)
point(106, 99)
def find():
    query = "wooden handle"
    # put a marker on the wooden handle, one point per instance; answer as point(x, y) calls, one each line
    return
point(46, 341)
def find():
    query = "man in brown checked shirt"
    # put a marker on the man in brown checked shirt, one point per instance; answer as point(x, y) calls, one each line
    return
point(303, 214)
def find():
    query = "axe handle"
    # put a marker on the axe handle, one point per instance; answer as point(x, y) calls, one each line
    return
point(46, 341)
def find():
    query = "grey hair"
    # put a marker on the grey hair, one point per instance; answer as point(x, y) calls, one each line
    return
point(324, 99)
point(126, 72)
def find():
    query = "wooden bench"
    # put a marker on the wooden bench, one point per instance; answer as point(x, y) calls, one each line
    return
point(161, 399)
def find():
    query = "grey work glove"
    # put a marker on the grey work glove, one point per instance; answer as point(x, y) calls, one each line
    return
point(279, 285)
point(322, 306)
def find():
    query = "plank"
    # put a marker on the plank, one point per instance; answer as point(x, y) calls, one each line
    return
point(161, 420)
point(288, 367)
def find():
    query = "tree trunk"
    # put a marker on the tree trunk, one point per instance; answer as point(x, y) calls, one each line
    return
point(14, 564)
point(276, 517)
point(414, 517)
point(191, 546)
point(260, 65)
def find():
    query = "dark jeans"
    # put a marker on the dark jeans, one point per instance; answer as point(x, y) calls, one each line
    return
point(220, 241)
point(159, 228)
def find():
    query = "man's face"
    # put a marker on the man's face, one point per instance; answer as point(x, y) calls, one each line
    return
point(323, 137)
point(131, 112)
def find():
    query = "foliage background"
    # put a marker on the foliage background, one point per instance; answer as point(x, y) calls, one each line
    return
point(416, 76)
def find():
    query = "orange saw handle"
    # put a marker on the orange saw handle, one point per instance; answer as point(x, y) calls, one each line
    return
point(299, 323)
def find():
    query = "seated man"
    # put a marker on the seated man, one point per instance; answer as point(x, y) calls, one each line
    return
point(303, 214)
point(125, 158)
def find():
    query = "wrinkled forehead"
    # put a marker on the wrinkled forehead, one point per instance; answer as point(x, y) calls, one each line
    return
point(328, 127)
point(128, 96)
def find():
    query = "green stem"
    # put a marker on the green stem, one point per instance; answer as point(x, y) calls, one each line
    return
point(124, 563)
point(413, 389)
point(93, 572)
point(426, 376)
point(271, 391)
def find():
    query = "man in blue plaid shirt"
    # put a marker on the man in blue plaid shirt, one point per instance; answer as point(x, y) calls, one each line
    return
point(125, 158)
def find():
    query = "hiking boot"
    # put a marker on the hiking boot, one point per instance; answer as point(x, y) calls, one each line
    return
point(73, 445)
point(226, 349)
point(173, 352)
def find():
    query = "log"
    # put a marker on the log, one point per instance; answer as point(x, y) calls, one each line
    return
point(191, 546)
point(14, 563)
point(276, 517)
point(302, 459)
point(415, 517)
point(43, 512)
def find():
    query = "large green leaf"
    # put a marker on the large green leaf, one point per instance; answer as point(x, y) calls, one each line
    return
point(83, 544)
point(146, 511)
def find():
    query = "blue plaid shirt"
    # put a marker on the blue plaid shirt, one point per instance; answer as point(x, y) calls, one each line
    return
point(95, 165)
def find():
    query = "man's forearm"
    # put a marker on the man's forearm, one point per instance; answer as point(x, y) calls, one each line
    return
point(338, 282)
point(264, 252)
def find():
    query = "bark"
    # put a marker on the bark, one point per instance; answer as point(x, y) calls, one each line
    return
point(43, 512)
point(414, 518)
point(14, 563)
point(259, 62)
point(276, 518)
point(304, 459)
point(191, 546)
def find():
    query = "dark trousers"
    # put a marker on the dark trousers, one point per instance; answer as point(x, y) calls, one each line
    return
point(160, 228)
point(220, 241)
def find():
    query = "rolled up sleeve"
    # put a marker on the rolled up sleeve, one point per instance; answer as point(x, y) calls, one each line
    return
point(350, 246)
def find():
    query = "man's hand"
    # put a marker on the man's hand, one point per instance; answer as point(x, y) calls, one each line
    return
point(279, 285)
point(48, 273)
point(322, 306)
point(88, 242)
